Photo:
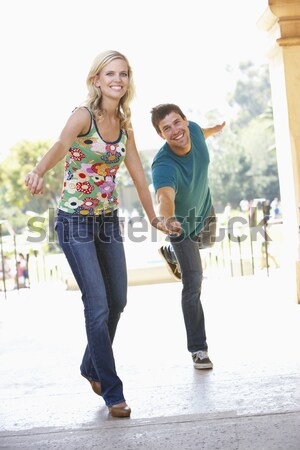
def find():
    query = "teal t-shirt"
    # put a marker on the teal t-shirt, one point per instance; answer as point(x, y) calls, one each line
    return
point(188, 176)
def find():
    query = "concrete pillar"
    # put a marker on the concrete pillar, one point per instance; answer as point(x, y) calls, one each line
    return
point(282, 22)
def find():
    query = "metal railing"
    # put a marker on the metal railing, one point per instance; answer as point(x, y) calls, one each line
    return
point(246, 250)
point(240, 250)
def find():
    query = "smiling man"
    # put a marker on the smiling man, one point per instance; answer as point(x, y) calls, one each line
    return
point(180, 179)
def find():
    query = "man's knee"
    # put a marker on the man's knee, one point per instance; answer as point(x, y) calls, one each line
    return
point(192, 280)
point(208, 235)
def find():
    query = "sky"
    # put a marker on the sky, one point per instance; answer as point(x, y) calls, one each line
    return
point(184, 52)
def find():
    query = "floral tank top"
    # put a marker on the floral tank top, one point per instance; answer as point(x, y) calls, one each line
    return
point(91, 166)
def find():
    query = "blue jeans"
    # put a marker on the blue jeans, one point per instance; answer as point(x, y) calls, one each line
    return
point(94, 249)
point(186, 253)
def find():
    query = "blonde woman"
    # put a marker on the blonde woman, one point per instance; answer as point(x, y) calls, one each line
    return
point(96, 139)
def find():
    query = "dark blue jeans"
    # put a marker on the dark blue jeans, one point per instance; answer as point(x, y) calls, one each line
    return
point(186, 253)
point(94, 249)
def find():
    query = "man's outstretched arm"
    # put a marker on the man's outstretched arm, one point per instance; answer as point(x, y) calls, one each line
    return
point(213, 130)
point(166, 209)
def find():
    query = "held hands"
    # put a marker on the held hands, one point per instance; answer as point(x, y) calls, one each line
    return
point(173, 226)
point(159, 224)
point(170, 226)
point(34, 183)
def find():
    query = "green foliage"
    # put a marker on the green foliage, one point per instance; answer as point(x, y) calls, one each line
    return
point(252, 93)
point(258, 141)
point(229, 171)
point(17, 205)
point(243, 159)
point(20, 160)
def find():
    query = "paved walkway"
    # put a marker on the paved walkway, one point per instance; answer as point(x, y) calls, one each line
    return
point(251, 399)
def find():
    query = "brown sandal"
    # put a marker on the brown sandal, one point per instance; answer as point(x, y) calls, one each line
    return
point(119, 411)
point(96, 386)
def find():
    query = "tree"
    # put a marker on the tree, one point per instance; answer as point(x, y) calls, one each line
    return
point(258, 142)
point(20, 160)
point(243, 159)
point(252, 92)
point(229, 169)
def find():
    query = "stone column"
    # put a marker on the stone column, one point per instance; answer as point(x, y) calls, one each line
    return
point(282, 22)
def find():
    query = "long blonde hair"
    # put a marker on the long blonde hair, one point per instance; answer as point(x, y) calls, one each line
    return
point(93, 100)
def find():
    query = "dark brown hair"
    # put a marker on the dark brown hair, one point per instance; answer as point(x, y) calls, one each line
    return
point(159, 112)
